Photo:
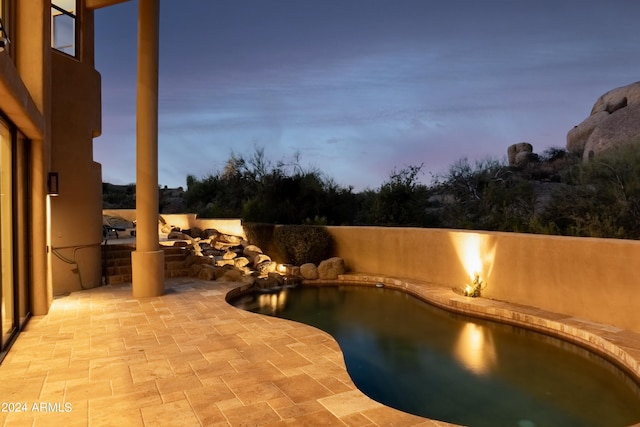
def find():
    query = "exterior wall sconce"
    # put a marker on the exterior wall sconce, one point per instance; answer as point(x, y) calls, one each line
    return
point(4, 40)
point(53, 184)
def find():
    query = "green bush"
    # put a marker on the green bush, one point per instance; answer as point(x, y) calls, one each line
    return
point(300, 244)
point(261, 235)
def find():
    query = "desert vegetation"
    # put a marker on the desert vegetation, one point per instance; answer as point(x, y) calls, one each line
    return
point(554, 194)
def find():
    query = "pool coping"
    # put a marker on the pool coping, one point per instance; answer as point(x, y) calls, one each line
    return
point(619, 346)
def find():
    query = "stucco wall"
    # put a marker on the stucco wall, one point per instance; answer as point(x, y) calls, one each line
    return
point(594, 279)
point(76, 220)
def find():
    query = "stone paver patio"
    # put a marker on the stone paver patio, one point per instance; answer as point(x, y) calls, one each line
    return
point(103, 358)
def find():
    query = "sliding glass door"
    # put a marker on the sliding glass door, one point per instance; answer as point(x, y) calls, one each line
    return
point(15, 259)
point(7, 295)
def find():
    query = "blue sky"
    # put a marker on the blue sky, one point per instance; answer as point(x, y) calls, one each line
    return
point(360, 87)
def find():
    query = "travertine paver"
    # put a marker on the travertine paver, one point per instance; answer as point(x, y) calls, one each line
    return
point(103, 358)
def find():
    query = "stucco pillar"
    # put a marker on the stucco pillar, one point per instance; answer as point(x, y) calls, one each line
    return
point(147, 261)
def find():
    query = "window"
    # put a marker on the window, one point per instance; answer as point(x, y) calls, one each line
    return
point(64, 26)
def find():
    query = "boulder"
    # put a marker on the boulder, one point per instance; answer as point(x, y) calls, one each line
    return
point(210, 233)
point(614, 121)
point(178, 235)
point(621, 128)
point(516, 150)
point(240, 261)
point(251, 251)
point(229, 255)
point(331, 268)
point(265, 267)
point(260, 258)
point(309, 271)
point(228, 238)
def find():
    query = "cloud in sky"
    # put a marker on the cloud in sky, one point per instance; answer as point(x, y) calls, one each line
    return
point(360, 87)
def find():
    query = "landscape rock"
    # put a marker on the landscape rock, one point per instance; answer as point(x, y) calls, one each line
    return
point(331, 268)
point(210, 233)
point(309, 271)
point(251, 251)
point(176, 234)
point(265, 267)
point(241, 261)
point(221, 262)
point(229, 255)
point(260, 258)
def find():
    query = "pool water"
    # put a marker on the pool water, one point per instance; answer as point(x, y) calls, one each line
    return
point(415, 357)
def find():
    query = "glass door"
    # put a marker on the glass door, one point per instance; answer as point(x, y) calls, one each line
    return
point(7, 297)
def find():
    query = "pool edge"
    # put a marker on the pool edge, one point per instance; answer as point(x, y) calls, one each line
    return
point(578, 331)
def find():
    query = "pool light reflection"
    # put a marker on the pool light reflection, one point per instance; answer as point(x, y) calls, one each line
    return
point(475, 349)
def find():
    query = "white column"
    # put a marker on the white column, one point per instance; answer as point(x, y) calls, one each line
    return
point(147, 261)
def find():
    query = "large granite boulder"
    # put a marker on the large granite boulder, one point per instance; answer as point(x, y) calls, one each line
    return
point(520, 154)
point(614, 122)
point(331, 268)
point(309, 271)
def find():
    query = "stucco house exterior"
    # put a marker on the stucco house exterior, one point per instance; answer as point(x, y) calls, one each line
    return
point(50, 186)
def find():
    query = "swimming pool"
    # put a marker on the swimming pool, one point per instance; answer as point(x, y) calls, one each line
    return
point(415, 357)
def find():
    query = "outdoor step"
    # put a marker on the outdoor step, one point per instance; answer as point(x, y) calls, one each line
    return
point(115, 271)
point(117, 262)
point(118, 279)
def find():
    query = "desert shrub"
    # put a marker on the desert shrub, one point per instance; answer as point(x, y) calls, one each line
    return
point(261, 235)
point(300, 244)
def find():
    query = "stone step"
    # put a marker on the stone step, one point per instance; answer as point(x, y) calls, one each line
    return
point(118, 279)
point(117, 262)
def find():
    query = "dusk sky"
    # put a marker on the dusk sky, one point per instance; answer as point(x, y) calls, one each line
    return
point(360, 87)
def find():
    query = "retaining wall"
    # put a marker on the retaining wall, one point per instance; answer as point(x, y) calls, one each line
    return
point(593, 279)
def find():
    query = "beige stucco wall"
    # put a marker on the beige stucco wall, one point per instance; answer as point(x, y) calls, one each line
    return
point(594, 279)
point(76, 214)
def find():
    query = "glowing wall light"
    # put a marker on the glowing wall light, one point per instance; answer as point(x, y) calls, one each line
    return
point(476, 254)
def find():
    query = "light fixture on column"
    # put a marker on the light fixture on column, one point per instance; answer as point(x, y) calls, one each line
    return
point(4, 40)
point(53, 184)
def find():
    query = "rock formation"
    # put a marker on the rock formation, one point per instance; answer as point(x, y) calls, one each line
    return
point(520, 154)
point(614, 122)
point(331, 268)
point(218, 256)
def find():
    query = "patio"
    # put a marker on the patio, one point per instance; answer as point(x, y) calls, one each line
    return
point(102, 358)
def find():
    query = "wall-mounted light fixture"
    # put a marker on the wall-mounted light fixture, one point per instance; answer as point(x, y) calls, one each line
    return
point(53, 184)
point(4, 40)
